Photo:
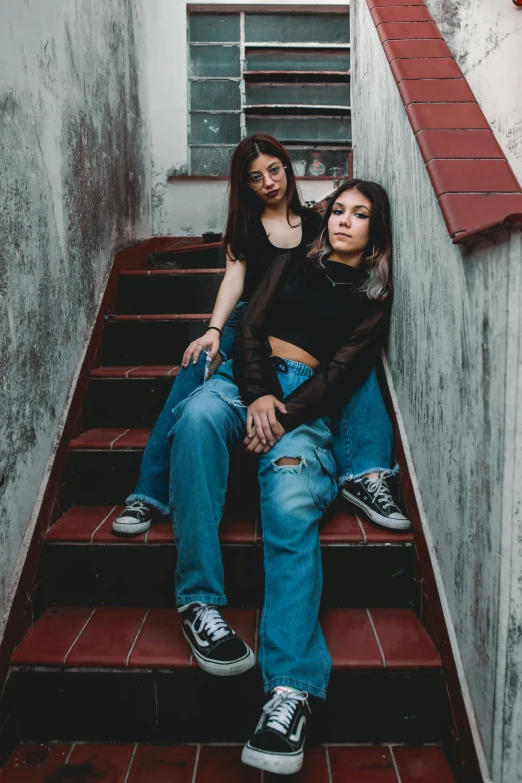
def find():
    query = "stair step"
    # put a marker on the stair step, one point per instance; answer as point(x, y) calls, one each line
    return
point(150, 340)
point(168, 292)
point(170, 272)
point(112, 438)
point(160, 317)
point(127, 402)
point(198, 256)
point(139, 638)
point(31, 763)
point(142, 371)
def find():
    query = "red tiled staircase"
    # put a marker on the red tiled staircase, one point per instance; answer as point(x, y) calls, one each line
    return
point(105, 662)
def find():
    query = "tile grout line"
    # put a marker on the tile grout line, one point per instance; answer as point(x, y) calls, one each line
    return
point(196, 762)
point(328, 765)
point(132, 370)
point(102, 523)
point(73, 745)
point(119, 436)
point(136, 638)
point(131, 763)
point(392, 754)
point(175, 367)
point(363, 531)
point(84, 626)
point(370, 618)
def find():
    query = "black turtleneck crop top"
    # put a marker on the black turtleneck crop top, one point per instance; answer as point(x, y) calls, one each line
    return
point(337, 324)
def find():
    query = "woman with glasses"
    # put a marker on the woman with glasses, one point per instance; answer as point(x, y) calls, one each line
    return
point(265, 219)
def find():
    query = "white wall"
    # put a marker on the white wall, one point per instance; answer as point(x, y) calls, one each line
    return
point(74, 185)
point(485, 38)
point(455, 363)
point(188, 208)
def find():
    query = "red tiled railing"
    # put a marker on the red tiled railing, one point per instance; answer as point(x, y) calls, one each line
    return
point(473, 182)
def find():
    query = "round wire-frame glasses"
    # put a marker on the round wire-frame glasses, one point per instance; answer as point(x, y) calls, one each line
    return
point(276, 172)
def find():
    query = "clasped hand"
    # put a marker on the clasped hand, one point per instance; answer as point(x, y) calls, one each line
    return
point(263, 428)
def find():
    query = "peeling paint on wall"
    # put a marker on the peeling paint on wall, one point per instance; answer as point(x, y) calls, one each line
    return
point(75, 182)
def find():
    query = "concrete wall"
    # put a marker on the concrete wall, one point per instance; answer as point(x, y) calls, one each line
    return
point(74, 187)
point(486, 40)
point(455, 364)
point(180, 209)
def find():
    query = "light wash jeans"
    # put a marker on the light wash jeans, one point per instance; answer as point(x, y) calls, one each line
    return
point(292, 649)
point(363, 436)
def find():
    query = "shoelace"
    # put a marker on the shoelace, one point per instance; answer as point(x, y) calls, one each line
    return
point(211, 622)
point(282, 707)
point(379, 489)
point(139, 506)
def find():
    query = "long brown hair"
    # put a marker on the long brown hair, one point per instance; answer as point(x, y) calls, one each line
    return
point(376, 259)
point(244, 206)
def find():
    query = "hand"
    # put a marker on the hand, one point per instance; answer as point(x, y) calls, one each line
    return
point(261, 419)
point(210, 341)
point(254, 445)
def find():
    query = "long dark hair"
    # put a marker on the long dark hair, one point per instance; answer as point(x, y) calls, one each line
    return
point(244, 206)
point(377, 253)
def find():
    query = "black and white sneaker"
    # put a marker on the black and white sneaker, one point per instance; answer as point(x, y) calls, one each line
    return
point(373, 497)
point(278, 743)
point(135, 518)
point(216, 647)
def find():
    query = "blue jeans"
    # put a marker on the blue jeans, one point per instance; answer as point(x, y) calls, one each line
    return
point(292, 649)
point(363, 436)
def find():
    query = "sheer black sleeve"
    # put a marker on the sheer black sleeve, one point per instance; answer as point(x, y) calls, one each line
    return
point(328, 391)
point(253, 371)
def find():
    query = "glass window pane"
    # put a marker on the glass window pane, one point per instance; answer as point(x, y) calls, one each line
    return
point(215, 95)
point(214, 61)
point(297, 28)
point(277, 60)
point(214, 128)
point(311, 161)
point(288, 129)
point(210, 27)
point(298, 94)
point(210, 160)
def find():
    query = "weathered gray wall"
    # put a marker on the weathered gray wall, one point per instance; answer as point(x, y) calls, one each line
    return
point(74, 186)
point(454, 359)
point(485, 37)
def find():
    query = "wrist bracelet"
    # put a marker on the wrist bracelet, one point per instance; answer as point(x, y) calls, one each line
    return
point(217, 330)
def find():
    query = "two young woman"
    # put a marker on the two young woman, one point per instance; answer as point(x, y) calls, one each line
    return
point(307, 339)
point(265, 218)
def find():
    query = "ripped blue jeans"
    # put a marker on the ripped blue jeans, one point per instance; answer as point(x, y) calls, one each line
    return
point(292, 649)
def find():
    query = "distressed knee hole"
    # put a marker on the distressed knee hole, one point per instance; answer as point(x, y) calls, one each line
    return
point(288, 461)
point(289, 464)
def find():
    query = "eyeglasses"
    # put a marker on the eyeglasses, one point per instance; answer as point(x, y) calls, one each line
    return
point(275, 172)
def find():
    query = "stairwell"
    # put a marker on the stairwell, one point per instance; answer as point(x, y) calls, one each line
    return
point(103, 685)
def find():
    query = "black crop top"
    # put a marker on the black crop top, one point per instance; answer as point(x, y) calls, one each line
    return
point(261, 252)
point(338, 325)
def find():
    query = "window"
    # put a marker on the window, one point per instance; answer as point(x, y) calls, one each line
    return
point(283, 74)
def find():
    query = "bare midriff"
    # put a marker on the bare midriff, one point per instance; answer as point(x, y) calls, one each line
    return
point(293, 352)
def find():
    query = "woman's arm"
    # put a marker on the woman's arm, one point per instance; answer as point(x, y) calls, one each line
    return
point(228, 296)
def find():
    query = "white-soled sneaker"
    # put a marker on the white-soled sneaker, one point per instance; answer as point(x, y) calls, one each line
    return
point(216, 647)
point(278, 742)
point(135, 518)
point(373, 497)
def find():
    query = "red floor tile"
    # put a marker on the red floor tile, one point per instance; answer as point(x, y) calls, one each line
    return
point(34, 763)
point(361, 765)
point(405, 13)
point(108, 637)
point(105, 535)
point(48, 641)
point(112, 372)
point(404, 640)
point(379, 535)
point(155, 371)
point(472, 211)
point(342, 528)
point(315, 769)
point(79, 523)
point(222, 764)
point(237, 529)
point(135, 438)
point(467, 176)
point(422, 765)
point(195, 316)
point(424, 116)
point(432, 49)
point(163, 764)
point(435, 91)
point(430, 68)
point(160, 533)
point(350, 639)
point(391, 31)
point(160, 644)
point(458, 144)
point(100, 438)
point(99, 763)
point(384, 3)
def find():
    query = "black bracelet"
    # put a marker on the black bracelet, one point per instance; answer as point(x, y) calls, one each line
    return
point(217, 330)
